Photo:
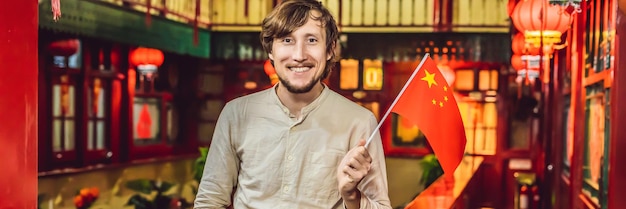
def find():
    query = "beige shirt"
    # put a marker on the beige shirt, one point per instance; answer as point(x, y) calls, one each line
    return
point(273, 160)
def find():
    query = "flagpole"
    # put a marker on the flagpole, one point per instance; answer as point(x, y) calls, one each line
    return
point(396, 100)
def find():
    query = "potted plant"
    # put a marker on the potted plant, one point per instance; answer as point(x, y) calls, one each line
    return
point(431, 169)
point(146, 188)
point(198, 167)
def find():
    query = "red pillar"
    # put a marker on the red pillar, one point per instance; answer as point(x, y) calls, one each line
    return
point(18, 104)
point(617, 182)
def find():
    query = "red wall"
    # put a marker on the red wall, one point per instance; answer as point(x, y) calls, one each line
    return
point(18, 104)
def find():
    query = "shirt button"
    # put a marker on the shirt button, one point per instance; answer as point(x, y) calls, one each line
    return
point(286, 189)
point(290, 158)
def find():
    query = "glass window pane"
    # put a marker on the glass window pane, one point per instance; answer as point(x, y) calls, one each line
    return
point(69, 135)
point(490, 115)
point(100, 134)
point(205, 132)
point(101, 107)
point(56, 100)
point(146, 120)
point(349, 74)
point(464, 80)
point(90, 135)
point(172, 122)
point(494, 80)
point(595, 136)
point(484, 80)
point(210, 83)
point(56, 135)
point(71, 101)
point(211, 110)
point(372, 74)
point(406, 133)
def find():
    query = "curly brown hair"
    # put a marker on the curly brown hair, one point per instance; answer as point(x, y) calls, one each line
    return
point(292, 14)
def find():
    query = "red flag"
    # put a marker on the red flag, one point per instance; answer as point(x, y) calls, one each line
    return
point(429, 103)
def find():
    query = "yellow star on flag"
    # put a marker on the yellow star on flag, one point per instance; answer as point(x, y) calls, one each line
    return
point(429, 78)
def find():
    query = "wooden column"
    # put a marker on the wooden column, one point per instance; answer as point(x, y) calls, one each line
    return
point(617, 182)
point(18, 104)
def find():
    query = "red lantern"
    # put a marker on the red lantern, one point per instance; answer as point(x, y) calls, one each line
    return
point(517, 63)
point(530, 15)
point(64, 47)
point(518, 44)
point(270, 71)
point(146, 57)
point(269, 68)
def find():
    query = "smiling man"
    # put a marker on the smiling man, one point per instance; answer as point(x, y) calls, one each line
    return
point(298, 144)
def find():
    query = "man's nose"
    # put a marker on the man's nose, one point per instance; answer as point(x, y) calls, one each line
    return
point(299, 52)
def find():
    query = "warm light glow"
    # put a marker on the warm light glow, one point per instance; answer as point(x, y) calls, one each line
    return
point(146, 56)
point(550, 37)
point(270, 71)
point(372, 74)
point(64, 47)
point(539, 20)
point(464, 80)
point(349, 74)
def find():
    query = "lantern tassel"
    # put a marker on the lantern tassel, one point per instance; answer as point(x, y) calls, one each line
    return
point(56, 9)
point(148, 14)
point(195, 24)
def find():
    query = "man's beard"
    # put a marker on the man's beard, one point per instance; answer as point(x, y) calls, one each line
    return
point(300, 90)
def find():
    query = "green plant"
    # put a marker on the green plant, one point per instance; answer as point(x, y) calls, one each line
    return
point(198, 167)
point(40, 198)
point(146, 188)
point(431, 169)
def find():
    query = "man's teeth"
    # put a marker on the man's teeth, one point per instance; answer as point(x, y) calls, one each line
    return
point(299, 69)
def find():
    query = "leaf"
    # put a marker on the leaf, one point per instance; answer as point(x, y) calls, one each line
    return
point(199, 164)
point(431, 169)
point(140, 185)
point(139, 202)
point(164, 187)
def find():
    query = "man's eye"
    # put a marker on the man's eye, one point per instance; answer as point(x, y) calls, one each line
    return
point(312, 40)
point(287, 40)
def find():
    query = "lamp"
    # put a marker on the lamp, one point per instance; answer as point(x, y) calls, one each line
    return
point(64, 48)
point(270, 71)
point(541, 21)
point(542, 24)
point(147, 61)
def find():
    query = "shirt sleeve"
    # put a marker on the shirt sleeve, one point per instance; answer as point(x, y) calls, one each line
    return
point(222, 166)
point(374, 186)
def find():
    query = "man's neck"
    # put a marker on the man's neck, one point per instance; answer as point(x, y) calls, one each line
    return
point(295, 102)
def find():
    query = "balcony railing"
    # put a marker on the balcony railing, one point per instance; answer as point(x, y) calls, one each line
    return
point(352, 15)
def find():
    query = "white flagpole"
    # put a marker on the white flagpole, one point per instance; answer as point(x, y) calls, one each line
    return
point(396, 100)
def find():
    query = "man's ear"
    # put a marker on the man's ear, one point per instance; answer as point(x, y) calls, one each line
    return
point(270, 56)
point(329, 55)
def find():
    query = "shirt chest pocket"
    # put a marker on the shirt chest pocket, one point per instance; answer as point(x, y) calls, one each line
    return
point(320, 175)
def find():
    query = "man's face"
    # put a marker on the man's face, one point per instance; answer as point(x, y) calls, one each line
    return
point(300, 57)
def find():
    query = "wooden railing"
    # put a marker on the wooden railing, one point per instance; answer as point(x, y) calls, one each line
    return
point(352, 15)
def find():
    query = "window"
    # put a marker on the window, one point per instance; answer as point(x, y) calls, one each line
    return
point(370, 73)
point(477, 100)
point(63, 117)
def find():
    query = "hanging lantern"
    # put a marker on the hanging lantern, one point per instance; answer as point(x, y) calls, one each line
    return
point(147, 60)
point(270, 71)
point(516, 62)
point(64, 48)
point(539, 20)
point(518, 44)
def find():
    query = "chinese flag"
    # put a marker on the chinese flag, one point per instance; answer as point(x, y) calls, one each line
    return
point(429, 103)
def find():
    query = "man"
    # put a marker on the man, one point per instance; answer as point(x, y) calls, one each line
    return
point(298, 144)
